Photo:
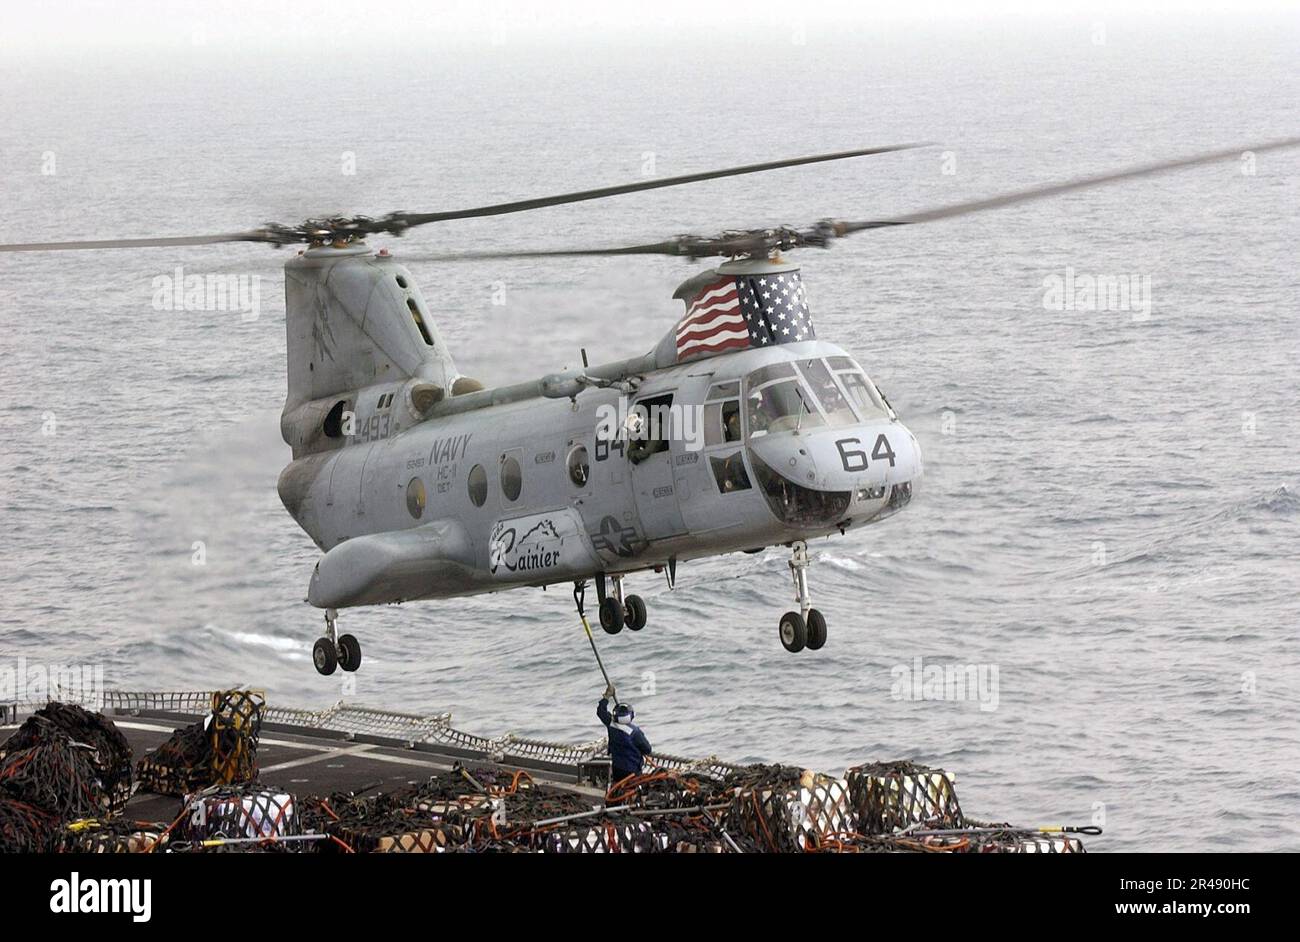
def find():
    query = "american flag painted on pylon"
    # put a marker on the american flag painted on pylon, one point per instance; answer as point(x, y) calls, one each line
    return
point(736, 312)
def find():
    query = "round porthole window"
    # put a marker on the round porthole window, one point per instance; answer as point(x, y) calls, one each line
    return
point(415, 498)
point(512, 478)
point(477, 485)
point(579, 467)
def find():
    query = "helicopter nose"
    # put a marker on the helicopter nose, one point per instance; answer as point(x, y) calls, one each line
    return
point(836, 477)
point(871, 457)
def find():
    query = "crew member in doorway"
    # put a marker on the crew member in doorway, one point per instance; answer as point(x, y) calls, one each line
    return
point(628, 746)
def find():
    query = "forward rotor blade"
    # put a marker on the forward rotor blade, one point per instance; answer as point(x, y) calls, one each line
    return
point(397, 223)
point(518, 206)
point(252, 236)
point(1056, 189)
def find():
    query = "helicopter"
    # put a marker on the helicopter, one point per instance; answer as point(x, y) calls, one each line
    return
point(740, 429)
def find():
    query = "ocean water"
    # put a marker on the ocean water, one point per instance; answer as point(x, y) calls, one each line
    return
point(1110, 516)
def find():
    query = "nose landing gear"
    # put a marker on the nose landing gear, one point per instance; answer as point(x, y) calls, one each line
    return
point(335, 650)
point(805, 628)
point(616, 611)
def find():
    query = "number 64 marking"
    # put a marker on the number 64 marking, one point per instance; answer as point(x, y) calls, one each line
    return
point(855, 459)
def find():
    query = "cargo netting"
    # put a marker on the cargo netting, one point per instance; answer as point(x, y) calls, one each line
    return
point(220, 749)
point(69, 760)
point(65, 777)
point(111, 836)
point(223, 813)
point(894, 796)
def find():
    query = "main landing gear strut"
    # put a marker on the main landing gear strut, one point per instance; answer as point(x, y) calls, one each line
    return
point(805, 628)
point(335, 650)
point(616, 611)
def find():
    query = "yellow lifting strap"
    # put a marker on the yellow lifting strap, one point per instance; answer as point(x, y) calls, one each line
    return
point(579, 591)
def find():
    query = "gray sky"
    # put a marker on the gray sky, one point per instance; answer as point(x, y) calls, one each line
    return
point(165, 24)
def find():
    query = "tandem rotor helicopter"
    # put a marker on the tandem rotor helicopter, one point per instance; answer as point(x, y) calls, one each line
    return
point(739, 430)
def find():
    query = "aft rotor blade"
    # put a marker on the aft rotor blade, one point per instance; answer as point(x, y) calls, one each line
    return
point(651, 248)
point(519, 206)
point(757, 241)
point(1057, 189)
point(253, 236)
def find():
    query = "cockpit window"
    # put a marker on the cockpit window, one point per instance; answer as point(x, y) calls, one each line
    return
point(768, 373)
point(811, 393)
point(862, 391)
point(797, 505)
point(731, 420)
point(730, 473)
point(722, 422)
point(838, 411)
point(864, 395)
point(780, 407)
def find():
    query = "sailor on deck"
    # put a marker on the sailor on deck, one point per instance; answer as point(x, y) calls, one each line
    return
point(627, 744)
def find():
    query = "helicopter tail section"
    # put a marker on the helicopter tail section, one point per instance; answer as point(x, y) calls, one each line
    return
point(355, 320)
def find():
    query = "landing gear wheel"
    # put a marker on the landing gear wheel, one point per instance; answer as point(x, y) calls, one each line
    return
point(634, 616)
point(611, 615)
point(816, 629)
point(794, 633)
point(324, 656)
point(350, 652)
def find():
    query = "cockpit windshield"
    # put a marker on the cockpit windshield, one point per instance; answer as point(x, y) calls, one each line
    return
point(775, 401)
point(862, 391)
point(833, 401)
point(807, 394)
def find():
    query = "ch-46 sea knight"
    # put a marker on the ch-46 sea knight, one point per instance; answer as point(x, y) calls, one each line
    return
point(740, 429)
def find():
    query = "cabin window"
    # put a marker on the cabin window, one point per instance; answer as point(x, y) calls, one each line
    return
point(415, 498)
point(730, 473)
point(512, 478)
point(579, 466)
point(401, 282)
point(419, 321)
point(650, 427)
point(477, 485)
